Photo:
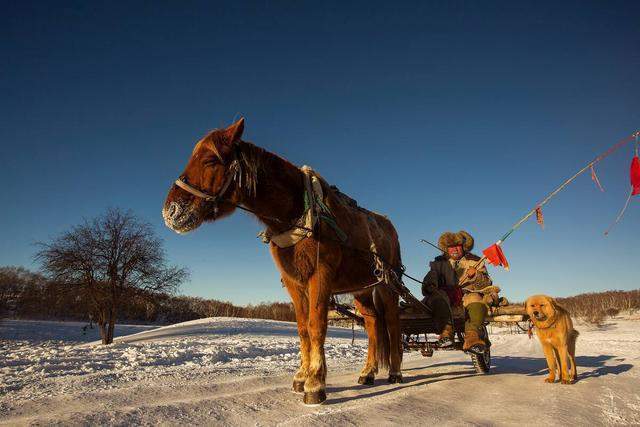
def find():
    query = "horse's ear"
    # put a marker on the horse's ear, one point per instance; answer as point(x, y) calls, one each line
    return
point(234, 132)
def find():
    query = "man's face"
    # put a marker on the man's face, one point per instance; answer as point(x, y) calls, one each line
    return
point(455, 252)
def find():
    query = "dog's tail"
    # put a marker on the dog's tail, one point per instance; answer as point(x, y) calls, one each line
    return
point(573, 337)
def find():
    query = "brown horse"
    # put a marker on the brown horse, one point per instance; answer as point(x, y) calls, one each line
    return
point(225, 172)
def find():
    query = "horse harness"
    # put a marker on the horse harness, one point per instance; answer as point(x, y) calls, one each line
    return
point(315, 211)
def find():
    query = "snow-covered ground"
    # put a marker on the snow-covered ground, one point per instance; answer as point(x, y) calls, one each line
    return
point(227, 371)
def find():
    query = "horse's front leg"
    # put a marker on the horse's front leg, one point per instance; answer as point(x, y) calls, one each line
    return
point(301, 306)
point(314, 387)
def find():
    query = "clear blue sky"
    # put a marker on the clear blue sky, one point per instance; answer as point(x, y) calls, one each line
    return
point(442, 115)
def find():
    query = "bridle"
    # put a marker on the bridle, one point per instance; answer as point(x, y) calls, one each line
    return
point(233, 171)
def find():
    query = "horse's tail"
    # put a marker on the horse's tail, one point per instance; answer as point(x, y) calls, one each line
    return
point(383, 345)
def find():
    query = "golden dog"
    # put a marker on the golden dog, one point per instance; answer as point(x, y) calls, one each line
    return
point(556, 334)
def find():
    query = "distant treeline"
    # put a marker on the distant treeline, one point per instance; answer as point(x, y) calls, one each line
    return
point(24, 294)
point(28, 295)
point(594, 307)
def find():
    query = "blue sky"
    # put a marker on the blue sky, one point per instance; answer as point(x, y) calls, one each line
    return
point(442, 115)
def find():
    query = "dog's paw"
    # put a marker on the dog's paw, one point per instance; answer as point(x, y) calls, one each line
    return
point(570, 381)
point(550, 380)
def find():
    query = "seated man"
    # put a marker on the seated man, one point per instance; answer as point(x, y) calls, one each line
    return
point(454, 281)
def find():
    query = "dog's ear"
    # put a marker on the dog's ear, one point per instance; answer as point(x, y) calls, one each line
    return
point(556, 305)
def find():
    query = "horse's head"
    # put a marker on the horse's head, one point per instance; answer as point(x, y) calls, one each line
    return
point(205, 191)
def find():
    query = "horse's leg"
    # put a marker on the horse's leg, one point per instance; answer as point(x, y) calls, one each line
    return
point(392, 321)
point(364, 303)
point(301, 306)
point(314, 387)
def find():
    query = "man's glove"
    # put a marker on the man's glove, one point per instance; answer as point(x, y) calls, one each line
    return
point(491, 299)
point(471, 272)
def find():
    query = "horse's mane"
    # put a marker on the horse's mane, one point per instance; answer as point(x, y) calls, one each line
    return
point(260, 160)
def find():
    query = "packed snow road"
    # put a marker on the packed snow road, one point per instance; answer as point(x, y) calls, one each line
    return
point(238, 372)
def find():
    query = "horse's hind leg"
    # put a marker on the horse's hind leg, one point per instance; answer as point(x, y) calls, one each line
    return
point(364, 303)
point(301, 306)
point(392, 323)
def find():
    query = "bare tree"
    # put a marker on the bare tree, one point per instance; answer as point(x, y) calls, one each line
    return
point(111, 257)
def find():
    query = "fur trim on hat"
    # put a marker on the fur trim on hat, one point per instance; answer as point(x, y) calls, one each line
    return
point(453, 239)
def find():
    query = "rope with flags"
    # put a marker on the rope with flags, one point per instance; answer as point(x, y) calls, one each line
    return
point(494, 253)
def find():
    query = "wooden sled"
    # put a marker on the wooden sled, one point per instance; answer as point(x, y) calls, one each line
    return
point(420, 334)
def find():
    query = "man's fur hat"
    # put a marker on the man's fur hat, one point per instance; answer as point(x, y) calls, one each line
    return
point(453, 239)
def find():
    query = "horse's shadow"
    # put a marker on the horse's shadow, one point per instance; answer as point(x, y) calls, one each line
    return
point(529, 366)
point(413, 381)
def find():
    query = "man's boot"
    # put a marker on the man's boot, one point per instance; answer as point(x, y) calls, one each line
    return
point(473, 342)
point(446, 337)
point(476, 313)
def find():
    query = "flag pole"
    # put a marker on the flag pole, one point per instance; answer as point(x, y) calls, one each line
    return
point(568, 181)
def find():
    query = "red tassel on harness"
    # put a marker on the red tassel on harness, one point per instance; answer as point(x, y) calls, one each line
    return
point(634, 174)
point(495, 256)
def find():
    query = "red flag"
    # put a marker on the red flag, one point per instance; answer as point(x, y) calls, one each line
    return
point(540, 217)
point(635, 175)
point(495, 256)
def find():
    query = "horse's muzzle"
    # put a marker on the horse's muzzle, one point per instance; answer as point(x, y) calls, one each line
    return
point(178, 218)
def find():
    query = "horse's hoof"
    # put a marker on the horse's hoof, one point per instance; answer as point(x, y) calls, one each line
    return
point(298, 386)
point(366, 380)
point(395, 379)
point(314, 398)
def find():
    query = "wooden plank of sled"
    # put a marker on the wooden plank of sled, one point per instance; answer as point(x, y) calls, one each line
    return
point(509, 309)
point(507, 318)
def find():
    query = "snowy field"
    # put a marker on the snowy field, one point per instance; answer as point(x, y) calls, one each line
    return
point(226, 371)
